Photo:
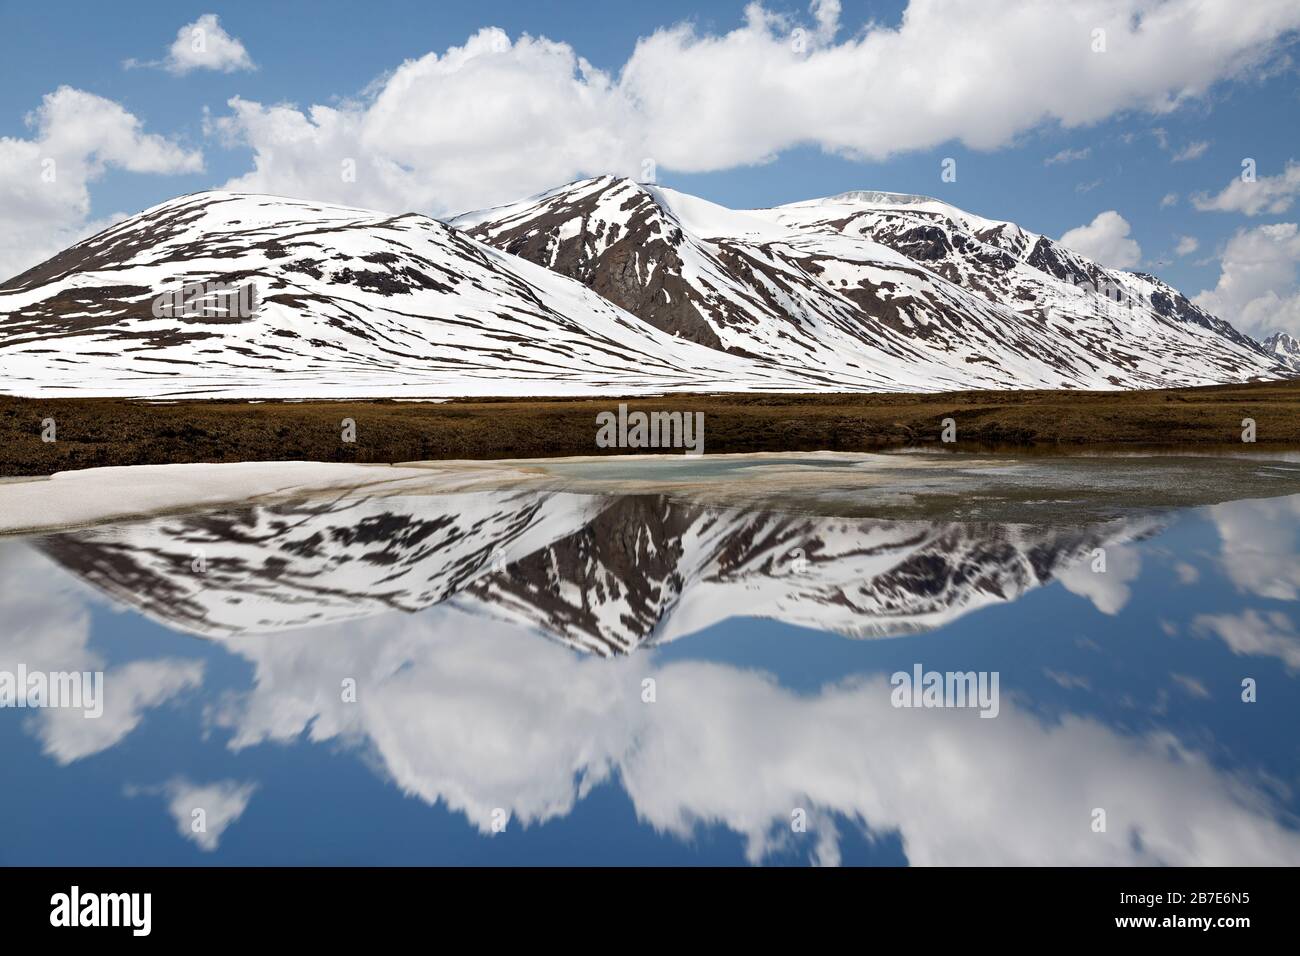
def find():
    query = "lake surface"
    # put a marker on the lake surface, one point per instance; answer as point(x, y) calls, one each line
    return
point(675, 663)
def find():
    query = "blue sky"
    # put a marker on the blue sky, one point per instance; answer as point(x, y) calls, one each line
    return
point(1111, 120)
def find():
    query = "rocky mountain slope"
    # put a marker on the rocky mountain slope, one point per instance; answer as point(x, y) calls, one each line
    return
point(346, 303)
point(1285, 348)
point(601, 286)
point(879, 290)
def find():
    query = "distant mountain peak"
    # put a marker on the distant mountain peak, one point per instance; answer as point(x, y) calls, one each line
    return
point(1285, 347)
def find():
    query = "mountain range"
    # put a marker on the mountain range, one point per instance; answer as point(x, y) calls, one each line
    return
point(600, 286)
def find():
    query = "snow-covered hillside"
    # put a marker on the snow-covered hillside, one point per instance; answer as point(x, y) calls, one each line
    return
point(601, 286)
point(875, 290)
point(349, 303)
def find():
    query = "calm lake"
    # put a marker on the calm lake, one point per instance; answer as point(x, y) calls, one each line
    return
point(896, 659)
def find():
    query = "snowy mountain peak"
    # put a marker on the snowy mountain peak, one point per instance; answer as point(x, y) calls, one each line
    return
point(1286, 348)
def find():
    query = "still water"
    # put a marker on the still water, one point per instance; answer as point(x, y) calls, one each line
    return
point(605, 674)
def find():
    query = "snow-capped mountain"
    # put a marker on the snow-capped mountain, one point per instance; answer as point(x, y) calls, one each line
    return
point(601, 575)
point(1285, 348)
point(876, 290)
point(347, 302)
point(599, 286)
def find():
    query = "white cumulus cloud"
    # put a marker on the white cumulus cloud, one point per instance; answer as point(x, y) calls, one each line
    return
point(1255, 634)
point(44, 180)
point(220, 804)
point(1191, 151)
point(1108, 590)
point(1105, 240)
point(1257, 288)
point(979, 73)
point(493, 119)
point(489, 120)
point(1260, 547)
point(130, 690)
point(1263, 194)
point(202, 45)
point(47, 628)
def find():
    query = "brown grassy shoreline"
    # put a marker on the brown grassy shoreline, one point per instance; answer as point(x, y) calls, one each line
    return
point(99, 432)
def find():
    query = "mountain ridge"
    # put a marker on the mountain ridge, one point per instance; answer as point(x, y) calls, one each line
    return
point(599, 285)
point(888, 277)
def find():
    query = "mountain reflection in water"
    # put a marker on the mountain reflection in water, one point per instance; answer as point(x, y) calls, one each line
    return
point(551, 658)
